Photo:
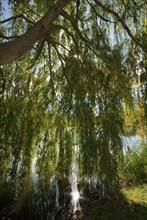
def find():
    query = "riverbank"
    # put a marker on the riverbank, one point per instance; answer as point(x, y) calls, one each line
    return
point(131, 206)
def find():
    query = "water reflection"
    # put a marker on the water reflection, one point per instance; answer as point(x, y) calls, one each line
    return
point(132, 140)
point(74, 180)
point(49, 186)
point(41, 193)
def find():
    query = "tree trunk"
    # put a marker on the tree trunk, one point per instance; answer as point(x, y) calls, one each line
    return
point(11, 51)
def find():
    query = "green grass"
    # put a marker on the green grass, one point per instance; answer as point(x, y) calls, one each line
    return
point(132, 205)
point(136, 194)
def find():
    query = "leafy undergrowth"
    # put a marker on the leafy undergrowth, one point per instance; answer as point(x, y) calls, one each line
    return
point(132, 205)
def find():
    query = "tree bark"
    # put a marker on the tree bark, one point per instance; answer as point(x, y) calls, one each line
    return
point(11, 51)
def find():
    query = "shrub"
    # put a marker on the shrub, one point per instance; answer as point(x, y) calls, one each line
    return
point(133, 169)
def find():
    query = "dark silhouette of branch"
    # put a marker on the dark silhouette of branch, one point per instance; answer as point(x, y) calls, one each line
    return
point(98, 15)
point(16, 17)
point(8, 37)
point(120, 19)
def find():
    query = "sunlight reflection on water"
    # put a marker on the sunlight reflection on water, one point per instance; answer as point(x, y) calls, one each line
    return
point(74, 181)
point(75, 201)
point(75, 196)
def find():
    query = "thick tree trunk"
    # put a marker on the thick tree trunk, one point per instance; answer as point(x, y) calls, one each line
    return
point(11, 51)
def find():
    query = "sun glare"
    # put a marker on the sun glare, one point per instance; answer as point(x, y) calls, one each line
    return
point(75, 195)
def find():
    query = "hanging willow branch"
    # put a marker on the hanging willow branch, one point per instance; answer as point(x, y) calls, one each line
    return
point(120, 19)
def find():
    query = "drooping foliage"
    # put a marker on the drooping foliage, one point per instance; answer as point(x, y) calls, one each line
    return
point(134, 169)
point(71, 90)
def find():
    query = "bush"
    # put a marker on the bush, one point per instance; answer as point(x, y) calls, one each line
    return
point(133, 169)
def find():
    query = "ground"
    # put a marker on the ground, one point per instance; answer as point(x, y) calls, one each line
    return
point(131, 206)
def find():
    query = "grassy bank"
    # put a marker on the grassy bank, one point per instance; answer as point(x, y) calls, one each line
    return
point(136, 194)
point(131, 206)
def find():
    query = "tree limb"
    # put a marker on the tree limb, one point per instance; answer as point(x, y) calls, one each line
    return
point(58, 53)
point(11, 18)
point(56, 42)
point(50, 68)
point(72, 21)
point(15, 17)
point(11, 51)
point(74, 24)
point(8, 37)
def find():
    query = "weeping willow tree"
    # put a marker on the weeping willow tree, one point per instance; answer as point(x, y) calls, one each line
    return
point(68, 69)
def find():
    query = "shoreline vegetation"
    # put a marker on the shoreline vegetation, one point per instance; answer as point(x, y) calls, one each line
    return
point(129, 204)
point(132, 205)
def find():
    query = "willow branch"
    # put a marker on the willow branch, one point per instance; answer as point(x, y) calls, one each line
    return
point(11, 51)
point(50, 68)
point(100, 16)
point(72, 21)
point(58, 53)
point(40, 49)
point(15, 17)
point(51, 40)
point(11, 18)
point(8, 37)
point(59, 27)
point(118, 17)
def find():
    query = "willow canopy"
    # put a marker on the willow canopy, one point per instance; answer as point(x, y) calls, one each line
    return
point(68, 72)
